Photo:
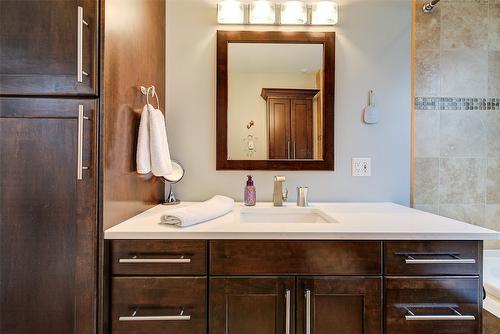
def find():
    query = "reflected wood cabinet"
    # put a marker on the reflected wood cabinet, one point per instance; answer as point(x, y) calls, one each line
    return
point(302, 287)
point(290, 117)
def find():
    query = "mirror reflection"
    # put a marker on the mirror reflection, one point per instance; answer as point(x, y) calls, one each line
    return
point(275, 101)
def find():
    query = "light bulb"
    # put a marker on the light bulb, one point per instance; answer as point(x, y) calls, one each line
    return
point(293, 12)
point(230, 12)
point(325, 13)
point(262, 12)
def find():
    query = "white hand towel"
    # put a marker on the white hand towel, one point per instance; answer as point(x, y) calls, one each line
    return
point(161, 165)
point(143, 156)
point(215, 207)
point(153, 154)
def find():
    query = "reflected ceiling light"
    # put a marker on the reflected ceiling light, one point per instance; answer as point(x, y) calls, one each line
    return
point(293, 12)
point(230, 12)
point(325, 13)
point(262, 12)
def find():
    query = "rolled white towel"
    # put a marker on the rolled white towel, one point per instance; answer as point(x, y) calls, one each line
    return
point(198, 213)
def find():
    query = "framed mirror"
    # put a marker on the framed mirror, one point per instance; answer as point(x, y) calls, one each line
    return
point(275, 100)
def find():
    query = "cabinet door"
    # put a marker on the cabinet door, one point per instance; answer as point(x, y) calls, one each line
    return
point(340, 305)
point(244, 305)
point(47, 217)
point(45, 44)
point(301, 129)
point(279, 128)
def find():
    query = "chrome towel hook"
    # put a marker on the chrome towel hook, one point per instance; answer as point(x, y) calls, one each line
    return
point(152, 90)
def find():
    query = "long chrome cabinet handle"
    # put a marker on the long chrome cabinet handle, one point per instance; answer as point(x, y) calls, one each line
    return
point(454, 260)
point(181, 316)
point(457, 316)
point(79, 61)
point(79, 163)
point(156, 318)
point(288, 149)
point(294, 155)
point(135, 260)
point(308, 311)
point(287, 312)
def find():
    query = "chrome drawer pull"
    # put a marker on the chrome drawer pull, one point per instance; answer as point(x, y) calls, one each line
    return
point(287, 312)
point(308, 311)
point(79, 160)
point(79, 52)
point(136, 260)
point(457, 316)
point(455, 260)
point(134, 317)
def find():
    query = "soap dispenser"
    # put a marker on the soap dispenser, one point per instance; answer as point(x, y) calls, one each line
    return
point(250, 196)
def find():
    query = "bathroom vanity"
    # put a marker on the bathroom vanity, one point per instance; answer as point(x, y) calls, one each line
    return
point(365, 268)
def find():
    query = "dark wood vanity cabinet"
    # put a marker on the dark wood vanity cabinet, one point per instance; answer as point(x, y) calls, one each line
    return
point(298, 286)
point(48, 47)
point(48, 215)
point(290, 117)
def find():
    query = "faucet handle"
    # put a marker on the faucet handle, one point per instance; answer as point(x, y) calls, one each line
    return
point(285, 195)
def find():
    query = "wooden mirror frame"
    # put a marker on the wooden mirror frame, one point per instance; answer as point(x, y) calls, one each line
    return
point(328, 41)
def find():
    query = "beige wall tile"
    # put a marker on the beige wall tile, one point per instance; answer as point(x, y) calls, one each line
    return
point(464, 25)
point(468, 213)
point(462, 134)
point(461, 181)
point(426, 180)
point(427, 73)
point(494, 26)
point(427, 27)
point(493, 181)
point(426, 134)
point(492, 222)
point(493, 133)
point(464, 73)
point(427, 208)
point(494, 73)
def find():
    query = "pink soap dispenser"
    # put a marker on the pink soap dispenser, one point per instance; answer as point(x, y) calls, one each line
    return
point(250, 196)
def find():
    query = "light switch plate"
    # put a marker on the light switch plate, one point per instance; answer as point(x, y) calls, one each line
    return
point(361, 167)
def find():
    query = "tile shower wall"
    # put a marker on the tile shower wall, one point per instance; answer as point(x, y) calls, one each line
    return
point(457, 111)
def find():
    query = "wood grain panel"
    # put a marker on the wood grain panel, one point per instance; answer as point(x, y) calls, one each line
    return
point(395, 255)
point(133, 55)
point(195, 250)
point(159, 296)
point(269, 257)
point(249, 305)
point(47, 218)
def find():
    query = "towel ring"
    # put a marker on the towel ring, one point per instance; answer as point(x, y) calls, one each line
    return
point(152, 89)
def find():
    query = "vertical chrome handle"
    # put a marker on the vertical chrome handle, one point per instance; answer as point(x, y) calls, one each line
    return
point(287, 312)
point(288, 149)
point(79, 53)
point(79, 162)
point(294, 155)
point(308, 311)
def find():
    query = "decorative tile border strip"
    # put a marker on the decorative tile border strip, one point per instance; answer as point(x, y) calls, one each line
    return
point(456, 103)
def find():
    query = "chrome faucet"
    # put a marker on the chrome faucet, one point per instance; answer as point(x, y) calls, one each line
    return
point(279, 196)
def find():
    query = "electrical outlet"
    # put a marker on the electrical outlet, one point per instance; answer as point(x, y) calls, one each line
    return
point(361, 166)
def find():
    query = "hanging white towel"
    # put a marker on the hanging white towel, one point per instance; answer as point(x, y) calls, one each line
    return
point(153, 154)
point(200, 212)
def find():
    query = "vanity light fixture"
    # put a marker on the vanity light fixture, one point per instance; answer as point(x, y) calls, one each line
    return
point(324, 13)
point(262, 12)
point(230, 12)
point(293, 12)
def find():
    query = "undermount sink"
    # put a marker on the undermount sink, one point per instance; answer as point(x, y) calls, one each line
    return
point(285, 215)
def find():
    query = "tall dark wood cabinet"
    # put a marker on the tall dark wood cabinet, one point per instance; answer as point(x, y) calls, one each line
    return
point(290, 118)
point(69, 111)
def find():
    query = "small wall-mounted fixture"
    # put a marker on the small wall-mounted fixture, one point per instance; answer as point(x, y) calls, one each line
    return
point(287, 12)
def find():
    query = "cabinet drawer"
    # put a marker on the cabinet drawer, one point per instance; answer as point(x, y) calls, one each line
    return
point(432, 305)
point(268, 257)
point(158, 305)
point(159, 257)
point(432, 257)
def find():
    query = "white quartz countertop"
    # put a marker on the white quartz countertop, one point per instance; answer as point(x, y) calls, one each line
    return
point(354, 221)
